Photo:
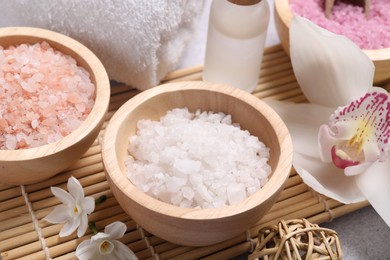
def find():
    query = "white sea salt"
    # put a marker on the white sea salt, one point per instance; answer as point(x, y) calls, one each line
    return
point(43, 94)
point(196, 159)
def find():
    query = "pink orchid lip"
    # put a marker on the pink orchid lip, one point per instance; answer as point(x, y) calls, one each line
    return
point(341, 163)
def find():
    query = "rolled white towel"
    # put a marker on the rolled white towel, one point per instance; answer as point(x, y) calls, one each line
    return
point(138, 41)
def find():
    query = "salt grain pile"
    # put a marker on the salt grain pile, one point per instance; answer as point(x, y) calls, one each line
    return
point(196, 160)
point(44, 95)
point(348, 19)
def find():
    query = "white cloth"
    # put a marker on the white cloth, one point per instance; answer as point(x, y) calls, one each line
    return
point(138, 41)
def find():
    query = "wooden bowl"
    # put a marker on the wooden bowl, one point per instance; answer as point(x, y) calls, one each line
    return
point(36, 164)
point(196, 227)
point(283, 16)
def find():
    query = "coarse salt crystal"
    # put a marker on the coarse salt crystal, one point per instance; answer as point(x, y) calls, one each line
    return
point(196, 160)
point(349, 20)
point(35, 97)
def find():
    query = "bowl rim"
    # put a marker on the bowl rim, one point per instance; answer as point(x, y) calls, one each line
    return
point(283, 7)
point(102, 90)
point(119, 179)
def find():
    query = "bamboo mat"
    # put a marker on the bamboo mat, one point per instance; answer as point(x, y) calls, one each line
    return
point(24, 235)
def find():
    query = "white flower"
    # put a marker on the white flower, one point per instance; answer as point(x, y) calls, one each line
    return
point(105, 246)
point(340, 139)
point(74, 210)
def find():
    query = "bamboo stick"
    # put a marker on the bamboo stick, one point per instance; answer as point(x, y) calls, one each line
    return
point(6, 186)
point(275, 62)
point(120, 88)
point(24, 239)
point(44, 198)
point(182, 73)
point(271, 71)
point(274, 83)
point(272, 49)
point(68, 256)
point(272, 56)
point(199, 252)
point(120, 100)
point(12, 192)
point(16, 231)
point(297, 99)
point(15, 222)
point(275, 73)
point(145, 254)
point(63, 178)
point(192, 77)
point(292, 201)
point(337, 212)
point(293, 181)
point(11, 213)
point(230, 252)
point(139, 246)
point(63, 247)
point(164, 247)
point(21, 251)
point(293, 191)
point(11, 203)
point(86, 161)
point(40, 255)
point(290, 209)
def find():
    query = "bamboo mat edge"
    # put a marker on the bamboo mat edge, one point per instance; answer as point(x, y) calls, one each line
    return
point(27, 236)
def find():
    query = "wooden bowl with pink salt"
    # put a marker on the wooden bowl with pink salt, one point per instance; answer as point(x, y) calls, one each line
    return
point(188, 160)
point(54, 95)
point(369, 30)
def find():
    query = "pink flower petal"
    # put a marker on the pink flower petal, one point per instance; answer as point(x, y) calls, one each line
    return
point(368, 119)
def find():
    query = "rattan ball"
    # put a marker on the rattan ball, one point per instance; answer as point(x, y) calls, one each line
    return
point(297, 239)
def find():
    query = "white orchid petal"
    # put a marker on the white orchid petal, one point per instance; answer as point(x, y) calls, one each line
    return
point(69, 227)
point(326, 179)
point(344, 130)
point(303, 122)
point(88, 205)
point(85, 250)
point(83, 225)
point(330, 68)
point(60, 214)
point(75, 189)
point(62, 196)
point(357, 169)
point(325, 142)
point(374, 183)
point(371, 151)
point(123, 252)
point(99, 236)
point(116, 230)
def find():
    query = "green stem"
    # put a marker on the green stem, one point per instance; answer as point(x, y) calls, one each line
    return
point(100, 200)
point(92, 227)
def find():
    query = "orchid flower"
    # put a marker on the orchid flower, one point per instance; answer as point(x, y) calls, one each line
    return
point(341, 138)
point(74, 209)
point(104, 245)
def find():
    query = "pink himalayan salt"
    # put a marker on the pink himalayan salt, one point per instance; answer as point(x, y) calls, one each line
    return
point(349, 20)
point(44, 95)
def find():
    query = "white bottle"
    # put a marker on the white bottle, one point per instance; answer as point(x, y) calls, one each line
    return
point(235, 42)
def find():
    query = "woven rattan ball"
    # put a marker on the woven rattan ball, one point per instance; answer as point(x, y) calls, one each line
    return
point(297, 239)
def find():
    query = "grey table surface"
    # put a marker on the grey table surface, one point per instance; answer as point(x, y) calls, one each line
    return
point(363, 234)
